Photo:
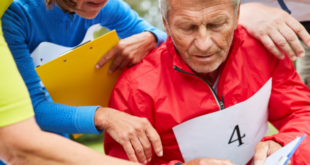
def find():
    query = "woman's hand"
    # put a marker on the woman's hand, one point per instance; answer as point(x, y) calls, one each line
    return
point(135, 134)
point(129, 51)
point(274, 27)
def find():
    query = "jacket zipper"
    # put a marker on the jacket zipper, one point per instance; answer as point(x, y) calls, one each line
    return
point(219, 103)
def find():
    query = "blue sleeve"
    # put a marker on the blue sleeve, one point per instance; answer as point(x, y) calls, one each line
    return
point(119, 16)
point(49, 116)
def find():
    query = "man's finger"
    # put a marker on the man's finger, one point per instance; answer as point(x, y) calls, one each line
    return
point(108, 56)
point(260, 156)
point(289, 163)
point(130, 152)
point(155, 140)
point(135, 142)
point(146, 146)
point(269, 44)
point(300, 30)
point(292, 38)
point(223, 162)
point(124, 64)
point(117, 62)
point(134, 62)
point(283, 44)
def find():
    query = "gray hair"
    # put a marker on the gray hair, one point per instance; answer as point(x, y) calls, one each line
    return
point(164, 7)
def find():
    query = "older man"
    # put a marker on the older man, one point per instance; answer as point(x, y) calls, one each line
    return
point(209, 63)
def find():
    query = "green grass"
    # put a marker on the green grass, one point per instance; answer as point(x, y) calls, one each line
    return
point(272, 130)
point(97, 146)
point(94, 142)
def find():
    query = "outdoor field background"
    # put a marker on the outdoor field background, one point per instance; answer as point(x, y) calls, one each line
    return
point(149, 10)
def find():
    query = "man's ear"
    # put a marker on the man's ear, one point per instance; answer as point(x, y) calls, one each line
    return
point(166, 25)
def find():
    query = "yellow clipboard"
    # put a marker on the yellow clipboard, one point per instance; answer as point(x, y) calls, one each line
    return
point(72, 79)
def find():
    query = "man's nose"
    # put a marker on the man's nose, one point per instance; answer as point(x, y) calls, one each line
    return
point(203, 41)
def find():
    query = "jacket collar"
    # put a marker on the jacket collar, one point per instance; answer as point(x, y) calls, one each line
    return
point(178, 62)
point(176, 58)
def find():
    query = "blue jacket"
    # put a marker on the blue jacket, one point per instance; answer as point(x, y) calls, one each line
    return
point(27, 23)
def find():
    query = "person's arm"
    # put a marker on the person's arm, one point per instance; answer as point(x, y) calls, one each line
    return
point(140, 37)
point(289, 112)
point(25, 143)
point(275, 28)
point(50, 116)
point(21, 140)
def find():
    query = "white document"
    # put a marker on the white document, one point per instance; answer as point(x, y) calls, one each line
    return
point(47, 51)
point(275, 157)
point(230, 134)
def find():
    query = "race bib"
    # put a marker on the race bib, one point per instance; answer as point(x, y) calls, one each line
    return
point(230, 134)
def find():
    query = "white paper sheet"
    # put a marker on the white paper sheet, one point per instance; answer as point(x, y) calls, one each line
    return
point(212, 135)
point(47, 51)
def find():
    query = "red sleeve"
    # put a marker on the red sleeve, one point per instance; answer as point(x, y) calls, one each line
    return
point(126, 98)
point(289, 108)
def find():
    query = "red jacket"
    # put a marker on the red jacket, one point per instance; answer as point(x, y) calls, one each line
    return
point(157, 89)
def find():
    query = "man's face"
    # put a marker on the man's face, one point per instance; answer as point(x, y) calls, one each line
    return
point(89, 9)
point(202, 31)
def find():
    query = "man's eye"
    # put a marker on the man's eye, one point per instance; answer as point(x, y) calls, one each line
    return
point(215, 26)
point(187, 28)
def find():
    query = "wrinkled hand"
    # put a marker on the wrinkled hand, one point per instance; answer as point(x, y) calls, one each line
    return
point(129, 51)
point(135, 134)
point(273, 26)
point(265, 149)
point(208, 161)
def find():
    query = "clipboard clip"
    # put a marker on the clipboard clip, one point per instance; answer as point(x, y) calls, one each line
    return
point(75, 48)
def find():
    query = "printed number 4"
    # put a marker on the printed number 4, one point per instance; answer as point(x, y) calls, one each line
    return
point(238, 134)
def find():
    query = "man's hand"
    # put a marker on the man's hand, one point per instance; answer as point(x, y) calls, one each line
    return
point(265, 149)
point(135, 134)
point(208, 161)
point(129, 51)
point(273, 26)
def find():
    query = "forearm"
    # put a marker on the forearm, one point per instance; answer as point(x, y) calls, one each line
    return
point(65, 119)
point(25, 143)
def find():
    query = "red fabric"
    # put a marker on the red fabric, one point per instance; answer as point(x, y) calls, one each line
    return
point(154, 90)
point(172, 162)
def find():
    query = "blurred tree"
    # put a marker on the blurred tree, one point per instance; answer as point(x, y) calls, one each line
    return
point(149, 10)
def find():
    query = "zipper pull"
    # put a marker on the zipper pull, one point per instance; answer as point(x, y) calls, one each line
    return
point(222, 103)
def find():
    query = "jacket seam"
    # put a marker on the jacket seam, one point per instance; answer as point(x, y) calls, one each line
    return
point(147, 71)
point(141, 102)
